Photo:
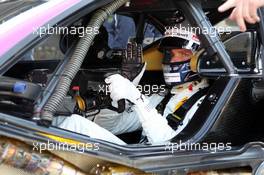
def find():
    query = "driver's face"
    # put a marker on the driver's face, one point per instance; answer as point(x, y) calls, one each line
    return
point(180, 55)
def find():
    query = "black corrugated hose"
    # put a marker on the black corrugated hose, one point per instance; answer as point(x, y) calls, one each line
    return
point(76, 61)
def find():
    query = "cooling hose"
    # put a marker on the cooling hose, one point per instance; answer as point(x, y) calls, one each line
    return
point(76, 61)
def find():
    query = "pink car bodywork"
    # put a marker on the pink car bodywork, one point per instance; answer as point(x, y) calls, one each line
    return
point(16, 29)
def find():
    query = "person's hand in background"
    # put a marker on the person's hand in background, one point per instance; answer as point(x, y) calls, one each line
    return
point(244, 11)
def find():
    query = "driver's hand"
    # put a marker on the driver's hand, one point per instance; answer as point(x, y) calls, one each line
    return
point(133, 67)
point(121, 88)
point(244, 10)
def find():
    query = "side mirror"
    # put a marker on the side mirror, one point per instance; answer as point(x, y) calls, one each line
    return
point(245, 53)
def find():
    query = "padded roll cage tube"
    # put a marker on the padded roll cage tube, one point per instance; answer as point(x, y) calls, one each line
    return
point(197, 17)
point(261, 33)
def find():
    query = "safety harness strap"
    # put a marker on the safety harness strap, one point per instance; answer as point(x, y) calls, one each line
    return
point(175, 119)
point(162, 105)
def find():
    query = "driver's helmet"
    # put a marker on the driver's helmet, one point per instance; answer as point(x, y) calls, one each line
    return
point(178, 47)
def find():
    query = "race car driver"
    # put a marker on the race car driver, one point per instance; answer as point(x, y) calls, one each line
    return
point(162, 116)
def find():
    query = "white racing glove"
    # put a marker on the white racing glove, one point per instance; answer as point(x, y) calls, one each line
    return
point(154, 125)
point(121, 88)
point(139, 76)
